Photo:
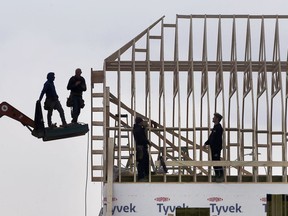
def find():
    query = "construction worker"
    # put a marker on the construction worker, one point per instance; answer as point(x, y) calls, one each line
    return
point(76, 85)
point(142, 156)
point(52, 100)
point(215, 143)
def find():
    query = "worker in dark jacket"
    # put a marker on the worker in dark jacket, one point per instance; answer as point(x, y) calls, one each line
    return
point(76, 85)
point(215, 143)
point(51, 102)
point(142, 156)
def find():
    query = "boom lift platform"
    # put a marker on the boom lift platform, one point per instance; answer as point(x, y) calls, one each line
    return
point(37, 127)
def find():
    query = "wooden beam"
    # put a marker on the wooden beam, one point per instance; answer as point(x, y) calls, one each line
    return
point(226, 163)
point(184, 66)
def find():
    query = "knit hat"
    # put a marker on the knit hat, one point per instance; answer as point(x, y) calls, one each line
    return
point(217, 115)
point(138, 120)
point(50, 76)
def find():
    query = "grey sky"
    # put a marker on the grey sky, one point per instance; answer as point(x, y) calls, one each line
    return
point(48, 178)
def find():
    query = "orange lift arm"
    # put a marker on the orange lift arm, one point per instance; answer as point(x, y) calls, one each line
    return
point(37, 127)
point(8, 110)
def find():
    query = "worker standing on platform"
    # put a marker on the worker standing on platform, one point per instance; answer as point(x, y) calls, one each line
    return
point(215, 143)
point(52, 102)
point(76, 85)
point(142, 155)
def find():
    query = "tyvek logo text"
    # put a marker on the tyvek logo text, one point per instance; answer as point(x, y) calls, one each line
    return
point(219, 209)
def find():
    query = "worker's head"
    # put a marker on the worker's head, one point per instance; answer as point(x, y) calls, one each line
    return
point(50, 76)
point(217, 118)
point(78, 72)
point(138, 120)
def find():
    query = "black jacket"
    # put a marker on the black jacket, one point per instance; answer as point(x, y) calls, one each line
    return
point(77, 90)
point(215, 138)
point(140, 135)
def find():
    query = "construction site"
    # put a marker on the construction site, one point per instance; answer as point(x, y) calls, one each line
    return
point(176, 76)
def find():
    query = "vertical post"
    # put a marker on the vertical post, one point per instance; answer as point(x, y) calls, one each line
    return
point(109, 184)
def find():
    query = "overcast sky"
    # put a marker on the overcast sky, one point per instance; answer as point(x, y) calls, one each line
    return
point(48, 178)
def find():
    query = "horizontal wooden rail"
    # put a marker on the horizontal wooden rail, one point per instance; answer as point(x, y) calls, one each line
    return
point(226, 163)
point(184, 66)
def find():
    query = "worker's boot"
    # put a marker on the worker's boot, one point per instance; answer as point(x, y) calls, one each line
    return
point(54, 125)
point(74, 120)
point(220, 176)
point(64, 123)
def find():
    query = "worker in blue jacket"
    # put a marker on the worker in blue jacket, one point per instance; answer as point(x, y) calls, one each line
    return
point(215, 143)
point(52, 100)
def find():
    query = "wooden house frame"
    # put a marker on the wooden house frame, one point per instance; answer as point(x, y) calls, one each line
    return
point(178, 75)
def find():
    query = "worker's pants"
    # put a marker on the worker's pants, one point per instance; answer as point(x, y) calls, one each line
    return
point(57, 106)
point(219, 172)
point(76, 108)
point(143, 165)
